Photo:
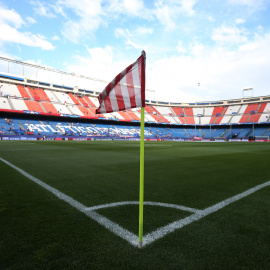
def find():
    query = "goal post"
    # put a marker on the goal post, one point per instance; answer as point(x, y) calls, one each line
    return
point(261, 138)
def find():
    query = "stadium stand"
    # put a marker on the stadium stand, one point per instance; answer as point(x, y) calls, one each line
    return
point(68, 128)
point(220, 120)
point(33, 106)
point(23, 92)
point(4, 103)
point(49, 107)
point(135, 116)
point(38, 94)
point(51, 95)
point(18, 104)
point(10, 90)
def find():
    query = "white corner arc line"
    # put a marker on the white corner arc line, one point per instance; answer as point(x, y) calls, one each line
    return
point(169, 205)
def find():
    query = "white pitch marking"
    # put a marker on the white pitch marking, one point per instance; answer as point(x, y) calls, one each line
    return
point(125, 234)
point(39, 149)
point(175, 206)
point(159, 233)
point(113, 227)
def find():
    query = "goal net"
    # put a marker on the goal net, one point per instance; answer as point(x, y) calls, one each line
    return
point(262, 138)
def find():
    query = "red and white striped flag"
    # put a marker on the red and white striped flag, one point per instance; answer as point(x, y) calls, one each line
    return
point(126, 90)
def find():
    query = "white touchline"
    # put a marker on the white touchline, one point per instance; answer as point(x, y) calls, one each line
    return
point(125, 234)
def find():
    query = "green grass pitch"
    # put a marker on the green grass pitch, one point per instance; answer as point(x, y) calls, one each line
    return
point(40, 231)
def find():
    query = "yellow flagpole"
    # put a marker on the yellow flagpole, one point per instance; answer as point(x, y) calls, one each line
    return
point(140, 244)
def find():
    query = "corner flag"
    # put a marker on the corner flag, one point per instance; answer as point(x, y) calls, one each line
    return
point(126, 91)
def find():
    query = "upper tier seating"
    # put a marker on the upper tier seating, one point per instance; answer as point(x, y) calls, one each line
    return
point(62, 109)
point(4, 104)
point(26, 98)
point(74, 99)
point(38, 94)
point(51, 95)
point(19, 104)
point(190, 116)
point(10, 90)
point(266, 116)
point(63, 98)
point(134, 114)
point(75, 110)
point(23, 92)
point(49, 107)
point(33, 106)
